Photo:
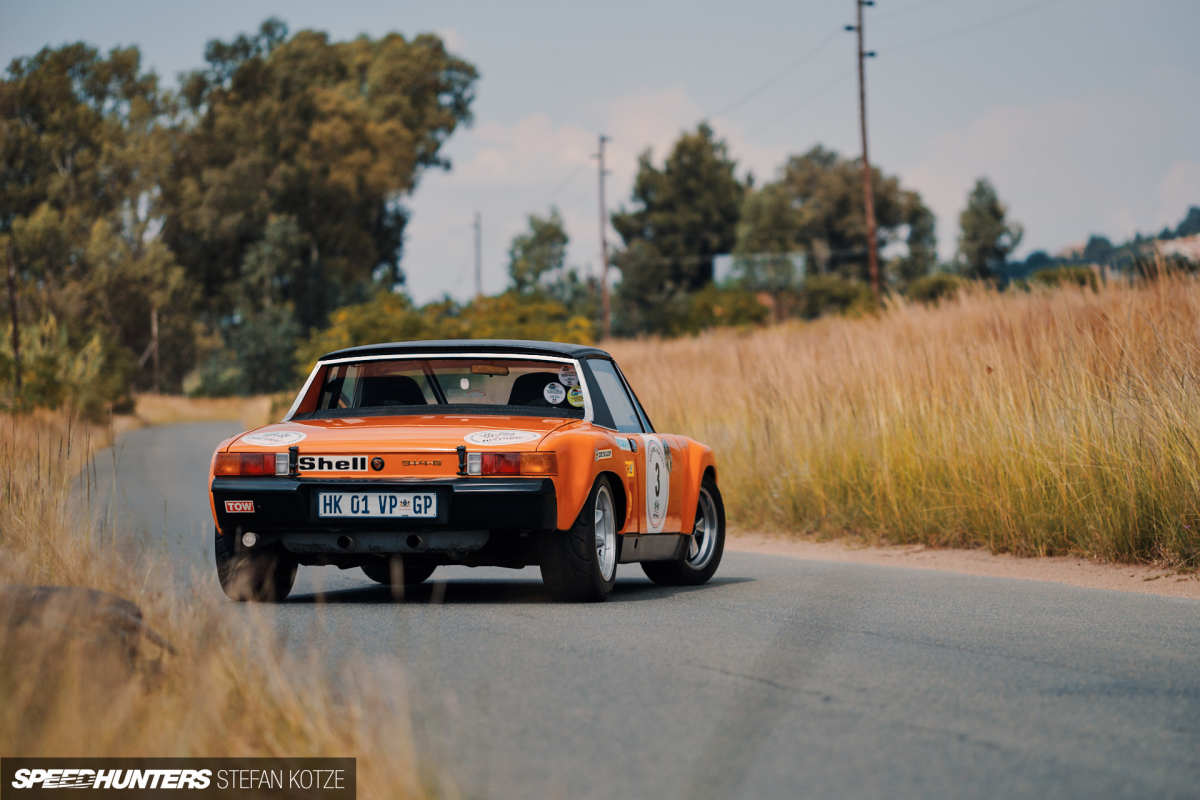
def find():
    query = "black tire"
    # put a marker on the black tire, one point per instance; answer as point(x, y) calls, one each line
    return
point(262, 576)
point(570, 562)
point(683, 572)
point(399, 571)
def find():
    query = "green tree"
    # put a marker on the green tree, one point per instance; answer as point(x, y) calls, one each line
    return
point(82, 152)
point(986, 237)
point(683, 213)
point(816, 207)
point(539, 254)
point(310, 146)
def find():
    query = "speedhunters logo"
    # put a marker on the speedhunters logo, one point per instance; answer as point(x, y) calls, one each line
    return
point(332, 778)
point(67, 778)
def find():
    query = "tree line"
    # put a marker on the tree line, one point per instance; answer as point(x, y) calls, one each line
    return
point(147, 230)
point(217, 236)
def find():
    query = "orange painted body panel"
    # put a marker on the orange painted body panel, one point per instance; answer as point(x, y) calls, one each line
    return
point(424, 446)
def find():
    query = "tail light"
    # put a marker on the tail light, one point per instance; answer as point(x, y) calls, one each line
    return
point(512, 464)
point(251, 464)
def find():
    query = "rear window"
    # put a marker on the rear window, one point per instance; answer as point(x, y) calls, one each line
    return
point(490, 384)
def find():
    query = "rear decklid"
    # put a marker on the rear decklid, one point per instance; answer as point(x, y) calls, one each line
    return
point(412, 445)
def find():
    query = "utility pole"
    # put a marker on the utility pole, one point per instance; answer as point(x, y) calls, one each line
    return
point(605, 307)
point(868, 194)
point(478, 256)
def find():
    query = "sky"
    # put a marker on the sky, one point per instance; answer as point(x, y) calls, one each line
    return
point(1084, 114)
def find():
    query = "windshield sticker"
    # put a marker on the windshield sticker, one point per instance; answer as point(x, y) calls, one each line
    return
point(575, 397)
point(274, 438)
point(554, 393)
point(658, 485)
point(487, 438)
point(603, 454)
point(567, 376)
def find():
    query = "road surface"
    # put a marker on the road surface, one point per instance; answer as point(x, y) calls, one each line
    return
point(782, 678)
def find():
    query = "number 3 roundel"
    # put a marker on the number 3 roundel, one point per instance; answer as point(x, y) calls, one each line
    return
point(658, 484)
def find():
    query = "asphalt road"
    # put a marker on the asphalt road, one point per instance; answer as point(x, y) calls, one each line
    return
point(782, 678)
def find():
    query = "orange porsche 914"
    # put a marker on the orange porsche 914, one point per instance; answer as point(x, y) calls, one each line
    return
point(398, 458)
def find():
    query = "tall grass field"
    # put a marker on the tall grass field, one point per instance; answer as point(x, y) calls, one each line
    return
point(213, 680)
point(1055, 422)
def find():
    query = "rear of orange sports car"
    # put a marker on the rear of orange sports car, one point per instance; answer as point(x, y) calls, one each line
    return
point(399, 458)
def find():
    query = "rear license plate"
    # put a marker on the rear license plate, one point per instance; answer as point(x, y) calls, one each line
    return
point(382, 505)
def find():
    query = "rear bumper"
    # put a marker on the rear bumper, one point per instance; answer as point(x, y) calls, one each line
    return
point(289, 505)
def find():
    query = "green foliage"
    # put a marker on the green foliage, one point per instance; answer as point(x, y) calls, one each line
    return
point(932, 289)
point(716, 307)
point(89, 379)
point(290, 177)
point(816, 206)
point(390, 317)
point(539, 253)
point(683, 214)
point(833, 294)
point(1067, 275)
point(83, 150)
point(986, 236)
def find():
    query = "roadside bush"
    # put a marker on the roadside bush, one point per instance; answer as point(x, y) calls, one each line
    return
point(1066, 275)
point(390, 317)
point(90, 379)
point(932, 289)
point(833, 294)
point(715, 307)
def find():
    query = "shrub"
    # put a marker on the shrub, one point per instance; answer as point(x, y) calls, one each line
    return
point(825, 294)
point(932, 289)
point(1067, 275)
point(714, 307)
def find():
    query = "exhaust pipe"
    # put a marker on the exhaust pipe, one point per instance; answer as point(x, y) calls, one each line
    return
point(345, 542)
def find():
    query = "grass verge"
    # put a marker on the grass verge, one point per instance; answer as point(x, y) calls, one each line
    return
point(1055, 422)
point(224, 687)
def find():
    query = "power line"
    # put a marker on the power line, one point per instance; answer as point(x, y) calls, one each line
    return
point(971, 26)
point(791, 65)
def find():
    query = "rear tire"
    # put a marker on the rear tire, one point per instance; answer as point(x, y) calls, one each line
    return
point(705, 549)
point(580, 564)
point(398, 571)
point(261, 576)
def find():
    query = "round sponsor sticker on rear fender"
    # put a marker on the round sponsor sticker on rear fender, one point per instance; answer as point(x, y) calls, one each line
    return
point(274, 438)
point(500, 437)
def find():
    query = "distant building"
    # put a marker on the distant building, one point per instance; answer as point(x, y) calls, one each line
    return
point(760, 271)
point(1185, 247)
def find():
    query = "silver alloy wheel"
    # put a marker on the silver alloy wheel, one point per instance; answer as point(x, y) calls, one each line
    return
point(704, 535)
point(605, 526)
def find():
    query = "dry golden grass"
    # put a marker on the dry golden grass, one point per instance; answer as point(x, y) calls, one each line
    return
point(228, 689)
point(164, 409)
point(1055, 422)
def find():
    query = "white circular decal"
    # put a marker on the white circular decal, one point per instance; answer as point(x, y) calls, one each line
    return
point(554, 393)
point(567, 376)
point(658, 484)
point(274, 438)
point(500, 437)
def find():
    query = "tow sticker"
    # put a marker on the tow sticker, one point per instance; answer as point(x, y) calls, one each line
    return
point(658, 484)
point(500, 437)
point(274, 438)
point(575, 397)
point(554, 393)
point(567, 376)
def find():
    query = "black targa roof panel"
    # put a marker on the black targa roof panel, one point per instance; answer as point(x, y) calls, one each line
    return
point(498, 346)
